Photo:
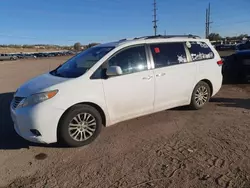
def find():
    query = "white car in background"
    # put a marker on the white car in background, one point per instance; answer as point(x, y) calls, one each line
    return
point(10, 57)
point(114, 82)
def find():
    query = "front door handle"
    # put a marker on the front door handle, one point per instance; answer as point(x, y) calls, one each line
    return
point(148, 77)
point(161, 74)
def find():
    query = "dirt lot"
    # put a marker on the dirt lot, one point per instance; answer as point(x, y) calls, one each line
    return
point(226, 53)
point(174, 148)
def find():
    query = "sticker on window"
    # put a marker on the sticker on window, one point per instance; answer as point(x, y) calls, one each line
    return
point(182, 59)
point(157, 50)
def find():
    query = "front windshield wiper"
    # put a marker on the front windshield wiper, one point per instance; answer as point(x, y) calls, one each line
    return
point(55, 73)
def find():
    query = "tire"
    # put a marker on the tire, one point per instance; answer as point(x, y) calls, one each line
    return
point(70, 121)
point(205, 90)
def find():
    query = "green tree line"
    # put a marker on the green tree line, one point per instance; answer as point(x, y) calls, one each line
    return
point(217, 37)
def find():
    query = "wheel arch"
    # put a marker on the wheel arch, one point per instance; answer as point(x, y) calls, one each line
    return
point(62, 140)
point(97, 107)
point(209, 84)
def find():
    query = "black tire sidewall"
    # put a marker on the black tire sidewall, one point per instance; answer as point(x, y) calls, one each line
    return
point(193, 104)
point(63, 134)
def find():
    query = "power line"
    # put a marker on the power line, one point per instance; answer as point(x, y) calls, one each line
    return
point(155, 18)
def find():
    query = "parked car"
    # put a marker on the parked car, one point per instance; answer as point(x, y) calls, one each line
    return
point(7, 57)
point(46, 54)
point(20, 56)
point(114, 82)
point(236, 67)
point(29, 56)
point(243, 46)
point(39, 55)
point(225, 47)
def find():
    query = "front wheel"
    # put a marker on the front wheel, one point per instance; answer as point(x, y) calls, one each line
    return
point(79, 126)
point(200, 96)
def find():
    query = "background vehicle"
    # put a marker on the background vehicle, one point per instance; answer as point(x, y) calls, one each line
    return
point(243, 46)
point(236, 67)
point(20, 56)
point(225, 47)
point(29, 56)
point(114, 82)
point(7, 57)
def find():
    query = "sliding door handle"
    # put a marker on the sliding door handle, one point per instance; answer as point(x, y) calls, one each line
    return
point(148, 77)
point(161, 74)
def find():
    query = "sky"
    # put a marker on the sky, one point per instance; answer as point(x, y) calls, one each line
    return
point(65, 22)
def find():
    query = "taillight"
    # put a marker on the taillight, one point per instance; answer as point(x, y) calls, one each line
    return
point(220, 62)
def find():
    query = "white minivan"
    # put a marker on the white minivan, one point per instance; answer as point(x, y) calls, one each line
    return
point(113, 82)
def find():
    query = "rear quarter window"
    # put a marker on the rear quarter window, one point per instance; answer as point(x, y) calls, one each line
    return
point(200, 51)
point(167, 54)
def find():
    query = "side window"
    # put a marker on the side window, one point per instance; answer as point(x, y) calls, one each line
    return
point(166, 54)
point(130, 60)
point(200, 51)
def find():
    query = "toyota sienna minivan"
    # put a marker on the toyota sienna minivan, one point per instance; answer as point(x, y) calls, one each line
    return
point(114, 82)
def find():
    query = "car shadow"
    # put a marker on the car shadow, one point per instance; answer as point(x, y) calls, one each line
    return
point(181, 108)
point(9, 139)
point(232, 102)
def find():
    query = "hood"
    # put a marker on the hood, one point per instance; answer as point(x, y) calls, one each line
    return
point(39, 84)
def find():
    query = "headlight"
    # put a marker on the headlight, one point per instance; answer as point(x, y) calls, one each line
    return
point(37, 98)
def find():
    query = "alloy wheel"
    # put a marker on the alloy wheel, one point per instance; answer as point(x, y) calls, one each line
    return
point(82, 127)
point(201, 95)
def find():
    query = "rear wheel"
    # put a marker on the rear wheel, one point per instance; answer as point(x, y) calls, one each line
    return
point(79, 126)
point(200, 96)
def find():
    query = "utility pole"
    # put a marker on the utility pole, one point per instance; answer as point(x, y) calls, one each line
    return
point(208, 22)
point(206, 32)
point(155, 18)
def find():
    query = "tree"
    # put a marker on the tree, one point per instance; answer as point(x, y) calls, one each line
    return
point(77, 46)
point(92, 44)
point(240, 37)
point(214, 37)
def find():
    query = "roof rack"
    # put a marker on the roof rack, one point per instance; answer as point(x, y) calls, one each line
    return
point(121, 40)
point(125, 39)
point(160, 37)
point(172, 36)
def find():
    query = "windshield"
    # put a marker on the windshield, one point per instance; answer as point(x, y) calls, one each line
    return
point(81, 63)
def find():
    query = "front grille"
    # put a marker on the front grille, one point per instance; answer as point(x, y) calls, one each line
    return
point(16, 101)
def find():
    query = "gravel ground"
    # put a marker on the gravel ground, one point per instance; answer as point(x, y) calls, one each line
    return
point(174, 148)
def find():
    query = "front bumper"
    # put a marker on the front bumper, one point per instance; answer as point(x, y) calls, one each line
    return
point(41, 117)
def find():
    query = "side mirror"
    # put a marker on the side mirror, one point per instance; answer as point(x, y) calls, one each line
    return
point(114, 71)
